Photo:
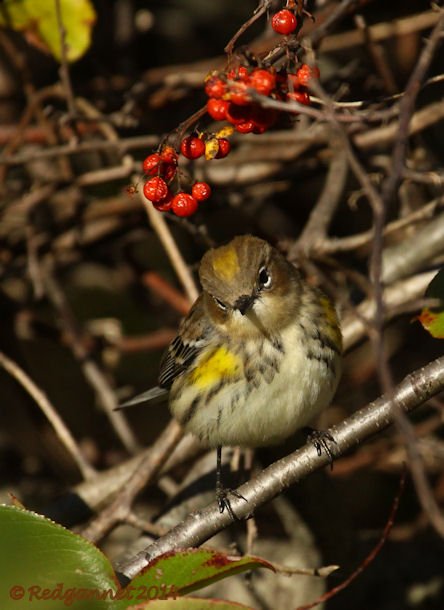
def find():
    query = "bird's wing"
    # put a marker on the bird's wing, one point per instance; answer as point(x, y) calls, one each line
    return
point(194, 333)
point(193, 336)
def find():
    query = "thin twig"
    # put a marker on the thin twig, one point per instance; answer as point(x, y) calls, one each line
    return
point(263, 7)
point(316, 227)
point(166, 291)
point(379, 32)
point(407, 106)
point(358, 240)
point(60, 428)
point(160, 226)
point(355, 323)
point(123, 145)
point(370, 557)
point(342, 10)
point(157, 339)
point(99, 492)
point(413, 253)
point(91, 370)
point(147, 469)
point(389, 188)
point(64, 68)
point(378, 56)
point(156, 219)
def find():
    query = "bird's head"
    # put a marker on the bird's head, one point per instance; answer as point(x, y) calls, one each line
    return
point(249, 287)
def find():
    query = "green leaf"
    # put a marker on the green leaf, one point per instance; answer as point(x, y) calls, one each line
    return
point(193, 603)
point(44, 565)
point(432, 319)
point(37, 554)
point(180, 572)
point(37, 19)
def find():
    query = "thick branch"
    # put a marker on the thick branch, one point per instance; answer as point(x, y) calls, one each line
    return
point(375, 417)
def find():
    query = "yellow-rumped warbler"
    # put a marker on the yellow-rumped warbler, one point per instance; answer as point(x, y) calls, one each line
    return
point(257, 357)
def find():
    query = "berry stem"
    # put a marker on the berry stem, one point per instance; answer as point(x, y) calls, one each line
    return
point(160, 226)
point(186, 125)
point(256, 15)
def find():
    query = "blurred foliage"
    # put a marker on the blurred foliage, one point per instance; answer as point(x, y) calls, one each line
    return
point(37, 20)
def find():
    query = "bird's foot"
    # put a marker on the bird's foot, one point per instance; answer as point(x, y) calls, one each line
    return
point(322, 442)
point(223, 500)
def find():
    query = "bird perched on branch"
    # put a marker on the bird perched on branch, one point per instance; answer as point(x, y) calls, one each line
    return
point(257, 357)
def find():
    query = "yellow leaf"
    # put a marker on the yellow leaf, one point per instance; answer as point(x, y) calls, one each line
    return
point(211, 148)
point(37, 20)
point(225, 131)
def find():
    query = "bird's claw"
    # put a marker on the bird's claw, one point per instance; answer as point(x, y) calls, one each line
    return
point(321, 440)
point(223, 500)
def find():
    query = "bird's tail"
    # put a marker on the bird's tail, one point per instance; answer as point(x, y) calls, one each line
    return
point(156, 393)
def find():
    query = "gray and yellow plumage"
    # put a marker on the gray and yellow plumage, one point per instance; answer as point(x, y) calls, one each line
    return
point(259, 354)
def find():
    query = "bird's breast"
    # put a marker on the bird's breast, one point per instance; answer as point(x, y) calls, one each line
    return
point(259, 392)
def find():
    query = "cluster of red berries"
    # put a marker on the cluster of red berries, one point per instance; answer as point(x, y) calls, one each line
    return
point(230, 94)
point(230, 98)
point(162, 167)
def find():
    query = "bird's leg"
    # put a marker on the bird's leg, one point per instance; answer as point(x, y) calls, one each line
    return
point(321, 440)
point(221, 492)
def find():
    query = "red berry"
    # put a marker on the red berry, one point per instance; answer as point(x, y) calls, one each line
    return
point(239, 73)
point(157, 165)
point(201, 191)
point(168, 154)
point(284, 22)
point(299, 96)
point(238, 114)
point(168, 171)
point(238, 94)
point(192, 147)
point(245, 127)
point(184, 204)
point(242, 73)
point(224, 148)
point(263, 81)
point(164, 204)
point(215, 87)
point(217, 109)
point(151, 164)
point(155, 189)
point(306, 73)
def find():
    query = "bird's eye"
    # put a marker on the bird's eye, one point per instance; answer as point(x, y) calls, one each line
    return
point(220, 304)
point(264, 278)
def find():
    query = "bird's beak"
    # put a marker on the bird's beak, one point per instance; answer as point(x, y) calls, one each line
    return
point(244, 303)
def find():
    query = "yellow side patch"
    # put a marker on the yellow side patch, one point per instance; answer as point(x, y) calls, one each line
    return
point(333, 331)
point(329, 310)
point(220, 364)
point(226, 263)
